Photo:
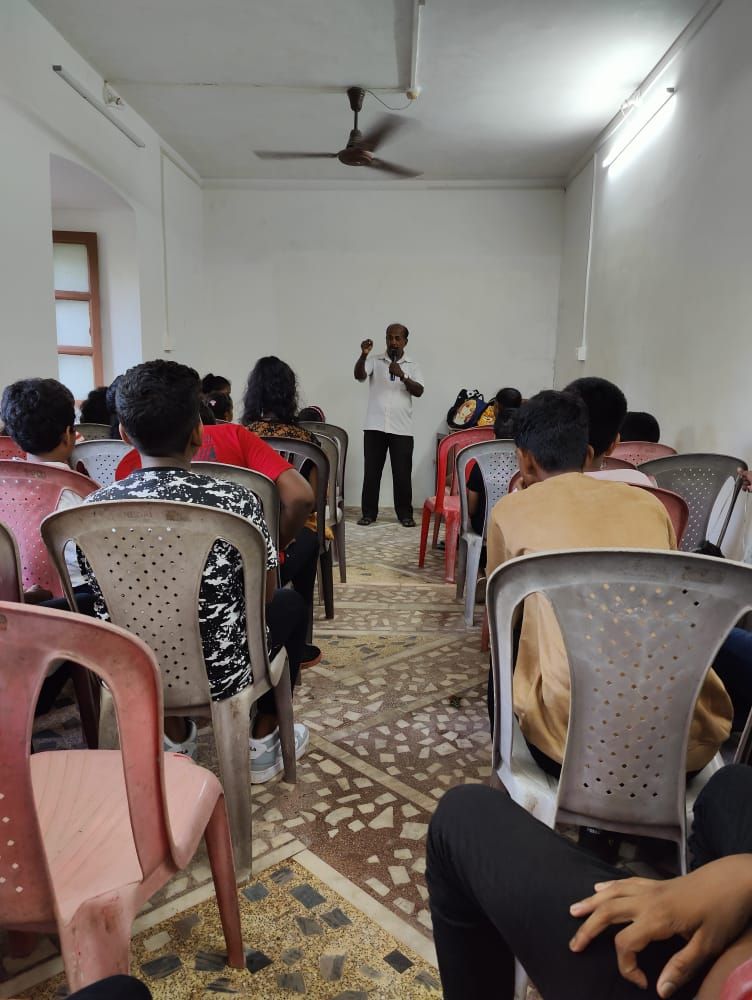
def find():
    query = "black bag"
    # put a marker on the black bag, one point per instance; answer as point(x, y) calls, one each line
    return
point(466, 410)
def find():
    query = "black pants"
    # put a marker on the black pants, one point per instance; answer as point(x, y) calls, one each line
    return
point(299, 567)
point(56, 681)
point(400, 448)
point(501, 884)
point(113, 988)
point(287, 620)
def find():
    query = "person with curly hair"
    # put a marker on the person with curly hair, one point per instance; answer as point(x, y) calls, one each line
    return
point(94, 407)
point(215, 383)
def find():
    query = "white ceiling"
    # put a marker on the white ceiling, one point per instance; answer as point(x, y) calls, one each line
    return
point(511, 89)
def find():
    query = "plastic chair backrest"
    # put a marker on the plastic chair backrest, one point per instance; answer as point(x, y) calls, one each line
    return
point(497, 461)
point(641, 629)
point(100, 458)
point(9, 448)
point(148, 558)
point(29, 491)
point(445, 455)
point(330, 449)
point(93, 432)
point(738, 986)
point(31, 640)
point(612, 462)
point(300, 452)
point(264, 488)
point(699, 478)
point(638, 452)
point(11, 588)
point(676, 508)
point(339, 434)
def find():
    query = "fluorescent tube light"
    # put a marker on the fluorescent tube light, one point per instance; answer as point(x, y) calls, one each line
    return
point(637, 120)
point(96, 103)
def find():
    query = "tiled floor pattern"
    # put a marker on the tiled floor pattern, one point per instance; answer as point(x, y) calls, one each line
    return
point(397, 714)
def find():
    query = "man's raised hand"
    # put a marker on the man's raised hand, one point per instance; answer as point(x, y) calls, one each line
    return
point(366, 347)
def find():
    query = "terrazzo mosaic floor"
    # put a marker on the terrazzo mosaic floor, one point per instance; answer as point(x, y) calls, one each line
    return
point(397, 715)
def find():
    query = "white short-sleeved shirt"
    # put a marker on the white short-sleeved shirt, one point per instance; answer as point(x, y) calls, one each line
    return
point(390, 405)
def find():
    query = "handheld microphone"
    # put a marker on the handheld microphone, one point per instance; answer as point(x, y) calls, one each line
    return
point(393, 356)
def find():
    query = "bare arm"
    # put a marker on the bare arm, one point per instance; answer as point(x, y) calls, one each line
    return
point(297, 501)
point(271, 584)
point(360, 365)
point(413, 387)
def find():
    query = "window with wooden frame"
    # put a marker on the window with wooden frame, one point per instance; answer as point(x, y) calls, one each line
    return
point(77, 315)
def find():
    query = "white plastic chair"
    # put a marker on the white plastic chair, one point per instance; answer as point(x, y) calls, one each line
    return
point(497, 461)
point(264, 488)
point(148, 558)
point(93, 432)
point(100, 459)
point(340, 437)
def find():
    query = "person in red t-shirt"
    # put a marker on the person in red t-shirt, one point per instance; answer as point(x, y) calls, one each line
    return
point(232, 444)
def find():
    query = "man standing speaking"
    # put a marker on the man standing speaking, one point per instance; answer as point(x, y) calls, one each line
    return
point(393, 380)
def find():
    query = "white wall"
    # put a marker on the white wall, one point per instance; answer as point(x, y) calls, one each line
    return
point(308, 274)
point(670, 304)
point(40, 116)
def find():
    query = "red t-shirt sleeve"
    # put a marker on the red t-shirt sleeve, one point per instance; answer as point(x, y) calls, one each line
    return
point(128, 464)
point(260, 457)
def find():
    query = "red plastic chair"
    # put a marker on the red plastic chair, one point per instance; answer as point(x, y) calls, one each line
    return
point(9, 448)
point(616, 462)
point(738, 986)
point(447, 507)
point(90, 835)
point(676, 507)
point(10, 567)
point(29, 491)
point(638, 452)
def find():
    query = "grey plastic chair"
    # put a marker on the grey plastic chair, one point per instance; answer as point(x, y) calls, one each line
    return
point(641, 629)
point(699, 478)
point(264, 488)
point(148, 558)
point(340, 436)
point(100, 458)
point(497, 461)
point(300, 452)
point(93, 432)
point(11, 588)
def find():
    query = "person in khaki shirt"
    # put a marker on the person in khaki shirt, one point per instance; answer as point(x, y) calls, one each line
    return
point(561, 508)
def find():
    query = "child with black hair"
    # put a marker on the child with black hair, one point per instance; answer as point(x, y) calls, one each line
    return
point(640, 426)
point(94, 407)
point(215, 383)
point(220, 405)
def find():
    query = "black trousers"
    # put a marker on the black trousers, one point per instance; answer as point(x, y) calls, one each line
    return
point(300, 565)
point(287, 620)
point(501, 884)
point(113, 988)
point(400, 447)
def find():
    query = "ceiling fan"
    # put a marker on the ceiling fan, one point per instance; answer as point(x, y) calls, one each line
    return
point(360, 149)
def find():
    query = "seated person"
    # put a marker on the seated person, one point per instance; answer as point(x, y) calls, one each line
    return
point(502, 885)
point(215, 383)
point(312, 413)
point(94, 407)
point(111, 400)
point(476, 491)
point(220, 404)
point(158, 406)
point(506, 404)
point(561, 508)
point(232, 444)
point(640, 426)
point(606, 405)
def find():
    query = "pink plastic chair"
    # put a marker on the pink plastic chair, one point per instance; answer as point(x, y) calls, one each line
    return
point(90, 835)
point(10, 567)
point(447, 507)
point(637, 452)
point(616, 462)
point(676, 508)
point(9, 448)
point(738, 986)
point(29, 491)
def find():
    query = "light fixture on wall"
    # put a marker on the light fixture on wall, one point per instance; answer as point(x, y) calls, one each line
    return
point(96, 103)
point(640, 114)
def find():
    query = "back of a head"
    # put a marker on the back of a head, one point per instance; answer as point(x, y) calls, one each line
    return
point(606, 406)
point(508, 399)
point(215, 383)
point(158, 405)
point(94, 407)
point(640, 426)
point(272, 389)
point(312, 413)
point(505, 423)
point(36, 412)
point(111, 399)
point(220, 405)
point(553, 427)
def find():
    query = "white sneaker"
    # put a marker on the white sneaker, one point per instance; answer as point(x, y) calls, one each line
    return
point(266, 754)
point(189, 744)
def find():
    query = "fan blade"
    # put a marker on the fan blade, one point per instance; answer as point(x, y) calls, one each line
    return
point(271, 154)
point(393, 168)
point(384, 129)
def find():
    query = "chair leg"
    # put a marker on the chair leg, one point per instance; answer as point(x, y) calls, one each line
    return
point(339, 538)
point(425, 524)
point(327, 581)
point(96, 943)
point(436, 528)
point(219, 849)
point(109, 738)
point(461, 569)
point(87, 691)
point(232, 729)
point(451, 536)
point(285, 721)
point(471, 580)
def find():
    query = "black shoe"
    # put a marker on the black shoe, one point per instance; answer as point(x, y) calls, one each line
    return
point(366, 520)
point(407, 522)
point(311, 656)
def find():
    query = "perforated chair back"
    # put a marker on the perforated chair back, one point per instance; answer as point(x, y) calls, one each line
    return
point(676, 508)
point(9, 448)
point(638, 452)
point(699, 479)
point(11, 588)
point(93, 432)
point(264, 488)
point(29, 491)
point(100, 458)
point(612, 462)
point(298, 453)
point(497, 461)
point(329, 447)
point(641, 629)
